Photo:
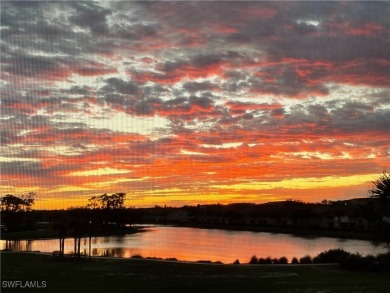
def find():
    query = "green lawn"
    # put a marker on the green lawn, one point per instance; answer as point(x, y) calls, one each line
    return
point(134, 275)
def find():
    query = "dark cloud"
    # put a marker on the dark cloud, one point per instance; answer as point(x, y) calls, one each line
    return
point(90, 16)
point(348, 118)
point(116, 85)
point(147, 106)
point(278, 112)
point(21, 168)
point(30, 66)
point(239, 38)
point(285, 80)
point(203, 101)
point(199, 86)
point(353, 117)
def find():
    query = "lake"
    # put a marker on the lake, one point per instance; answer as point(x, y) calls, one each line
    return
point(192, 244)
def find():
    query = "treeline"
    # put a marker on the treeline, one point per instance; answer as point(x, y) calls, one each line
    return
point(110, 210)
point(100, 211)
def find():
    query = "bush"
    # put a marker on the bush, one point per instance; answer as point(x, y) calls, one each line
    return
point(136, 256)
point(371, 264)
point(275, 261)
point(295, 261)
point(305, 260)
point(268, 261)
point(254, 260)
point(154, 258)
point(262, 261)
point(204, 261)
point(331, 256)
point(171, 259)
point(236, 262)
point(354, 262)
point(384, 261)
point(383, 232)
point(283, 260)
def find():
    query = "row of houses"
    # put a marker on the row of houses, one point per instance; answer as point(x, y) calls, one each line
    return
point(352, 215)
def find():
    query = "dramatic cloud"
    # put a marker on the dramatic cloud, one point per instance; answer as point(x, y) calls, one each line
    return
point(193, 102)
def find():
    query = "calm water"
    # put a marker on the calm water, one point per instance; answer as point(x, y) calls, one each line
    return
point(193, 244)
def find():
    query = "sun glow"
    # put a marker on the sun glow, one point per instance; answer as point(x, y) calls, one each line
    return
point(302, 183)
point(100, 172)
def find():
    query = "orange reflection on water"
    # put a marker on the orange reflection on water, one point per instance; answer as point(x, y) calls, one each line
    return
point(191, 244)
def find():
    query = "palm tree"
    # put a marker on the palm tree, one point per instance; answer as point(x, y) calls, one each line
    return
point(381, 191)
point(381, 187)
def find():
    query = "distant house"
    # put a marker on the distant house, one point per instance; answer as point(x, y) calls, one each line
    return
point(340, 215)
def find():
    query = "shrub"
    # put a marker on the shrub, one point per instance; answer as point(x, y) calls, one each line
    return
point(305, 260)
point(295, 261)
point(371, 264)
point(262, 261)
point(283, 260)
point(154, 258)
point(268, 261)
point(275, 261)
point(354, 262)
point(236, 262)
point(384, 261)
point(254, 260)
point(204, 261)
point(331, 256)
point(136, 256)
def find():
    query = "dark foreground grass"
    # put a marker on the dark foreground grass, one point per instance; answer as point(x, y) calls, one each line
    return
point(134, 275)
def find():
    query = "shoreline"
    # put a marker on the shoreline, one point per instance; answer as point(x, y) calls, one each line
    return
point(48, 235)
point(305, 233)
point(153, 259)
point(137, 228)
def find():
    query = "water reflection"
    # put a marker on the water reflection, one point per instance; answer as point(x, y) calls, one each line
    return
point(193, 244)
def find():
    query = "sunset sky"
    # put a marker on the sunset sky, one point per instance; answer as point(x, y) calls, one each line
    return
point(193, 102)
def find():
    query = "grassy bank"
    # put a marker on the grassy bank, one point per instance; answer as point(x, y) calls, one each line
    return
point(134, 275)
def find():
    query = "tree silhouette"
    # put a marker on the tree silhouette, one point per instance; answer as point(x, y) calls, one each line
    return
point(381, 191)
point(12, 203)
point(110, 208)
point(61, 228)
point(15, 211)
point(381, 187)
point(105, 201)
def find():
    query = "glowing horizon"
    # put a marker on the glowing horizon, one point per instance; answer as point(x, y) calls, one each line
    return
point(186, 103)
